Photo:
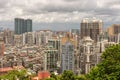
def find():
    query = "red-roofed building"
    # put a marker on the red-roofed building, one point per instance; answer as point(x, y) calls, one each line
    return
point(42, 75)
point(5, 70)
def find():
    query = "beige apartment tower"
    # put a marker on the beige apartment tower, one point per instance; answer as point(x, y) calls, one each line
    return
point(92, 28)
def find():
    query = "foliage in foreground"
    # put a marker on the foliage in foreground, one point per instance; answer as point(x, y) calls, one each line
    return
point(66, 75)
point(15, 74)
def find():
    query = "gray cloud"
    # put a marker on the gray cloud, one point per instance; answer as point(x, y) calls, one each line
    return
point(112, 3)
point(63, 6)
point(60, 11)
point(71, 0)
point(3, 3)
point(107, 12)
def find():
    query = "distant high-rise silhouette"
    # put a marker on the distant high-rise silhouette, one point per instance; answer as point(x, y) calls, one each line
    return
point(28, 24)
point(113, 32)
point(22, 25)
point(92, 28)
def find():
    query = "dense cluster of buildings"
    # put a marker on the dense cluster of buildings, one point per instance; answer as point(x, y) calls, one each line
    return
point(55, 51)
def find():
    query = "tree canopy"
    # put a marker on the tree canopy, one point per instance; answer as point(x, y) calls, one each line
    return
point(15, 74)
point(66, 75)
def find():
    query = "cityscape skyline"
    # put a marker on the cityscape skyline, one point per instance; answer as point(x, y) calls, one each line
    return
point(59, 40)
point(60, 14)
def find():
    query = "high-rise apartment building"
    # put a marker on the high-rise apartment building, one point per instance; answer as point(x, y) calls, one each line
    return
point(42, 37)
point(92, 28)
point(67, 61)
point(88, 55)
point(28, 23)
point(18, 41)
point(30, 38)
point(22, 25)
point(19, 25)
point(113, 32)
point(51, 58)
point(1, 47)
point(56, 44)
point(114, 29)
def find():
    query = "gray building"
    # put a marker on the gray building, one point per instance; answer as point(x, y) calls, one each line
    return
point(67, 61)
point(19, 25)
point(22, 25)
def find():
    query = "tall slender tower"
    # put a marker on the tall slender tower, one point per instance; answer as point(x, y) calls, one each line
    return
point(67, 61)
point(1, 51)
point(1, 47)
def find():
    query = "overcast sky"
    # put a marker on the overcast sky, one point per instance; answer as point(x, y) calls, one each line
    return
point(58, 14)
